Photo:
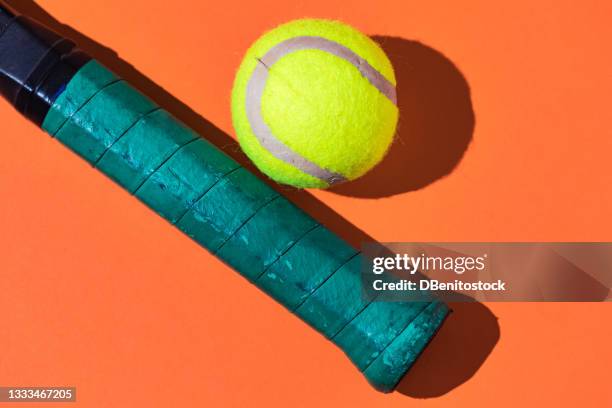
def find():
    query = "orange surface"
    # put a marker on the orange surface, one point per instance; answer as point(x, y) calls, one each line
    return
point(100, 293)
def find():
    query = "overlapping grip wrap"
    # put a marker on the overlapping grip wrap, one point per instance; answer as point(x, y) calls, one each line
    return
point(236, 216)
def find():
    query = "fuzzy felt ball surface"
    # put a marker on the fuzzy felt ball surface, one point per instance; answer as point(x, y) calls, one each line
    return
point(314, 103)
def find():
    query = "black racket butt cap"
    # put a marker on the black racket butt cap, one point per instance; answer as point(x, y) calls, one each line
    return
point(36, 64)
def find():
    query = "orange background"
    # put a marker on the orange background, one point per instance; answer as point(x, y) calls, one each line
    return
point(100, 293)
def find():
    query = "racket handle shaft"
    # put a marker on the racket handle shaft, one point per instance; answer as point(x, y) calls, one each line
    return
point(211, 198)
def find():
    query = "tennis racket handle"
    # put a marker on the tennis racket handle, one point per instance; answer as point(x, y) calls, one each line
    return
point(215, 201)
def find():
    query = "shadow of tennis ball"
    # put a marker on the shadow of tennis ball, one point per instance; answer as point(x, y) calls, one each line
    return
point(435, 127)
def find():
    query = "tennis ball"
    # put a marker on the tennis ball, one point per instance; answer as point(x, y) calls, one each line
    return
point(314, 103)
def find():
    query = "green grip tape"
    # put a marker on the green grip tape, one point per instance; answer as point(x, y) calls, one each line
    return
point(238, 217)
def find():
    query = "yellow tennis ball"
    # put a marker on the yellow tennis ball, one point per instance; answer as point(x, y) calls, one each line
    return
point(314, 103)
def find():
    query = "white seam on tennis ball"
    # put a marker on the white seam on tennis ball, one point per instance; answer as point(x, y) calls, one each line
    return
point(323, 44)
point(257, 83)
